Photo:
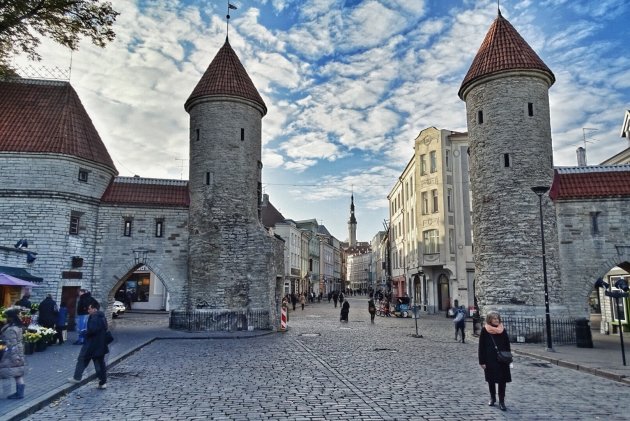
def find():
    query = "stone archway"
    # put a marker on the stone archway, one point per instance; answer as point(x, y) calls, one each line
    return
point(118, 275)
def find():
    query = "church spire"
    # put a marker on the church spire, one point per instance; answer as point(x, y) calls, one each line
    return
point(352, 224)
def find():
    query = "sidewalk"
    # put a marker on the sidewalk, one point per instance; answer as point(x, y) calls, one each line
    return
point(47, 372)
point(604, 359)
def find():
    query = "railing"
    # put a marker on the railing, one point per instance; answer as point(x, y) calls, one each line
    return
point(219, 320)
point(533, 330)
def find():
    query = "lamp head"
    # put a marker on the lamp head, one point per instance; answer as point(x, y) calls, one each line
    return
point(622, 284)
point(540, 190)
point(600, 283)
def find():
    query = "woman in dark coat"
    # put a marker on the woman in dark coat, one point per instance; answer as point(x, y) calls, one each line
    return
point(495, 372)
point(345, 309)
point(95, 346)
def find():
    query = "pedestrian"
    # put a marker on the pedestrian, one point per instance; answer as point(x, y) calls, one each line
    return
point(293, 300)
point(494, 338)
point(302, 300)
point(95, 346)
point(60, 324)
point(24, 301)
point(345, 310)
point(48, 312)
point(85, 299)
point(12, 362)
point(371, 310)
point(335, 298)
point(460, 322)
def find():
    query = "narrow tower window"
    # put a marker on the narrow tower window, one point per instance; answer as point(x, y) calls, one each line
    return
point(207, 178)
point(507, 160)
point(159, 228)
point(197, 134)
point(127, 229)
point(594, 223)
point(242, 134)
point(530, 109)
point(480, 117)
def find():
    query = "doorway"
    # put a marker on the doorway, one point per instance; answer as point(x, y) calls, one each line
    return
point(444, 296)
point(69, 297)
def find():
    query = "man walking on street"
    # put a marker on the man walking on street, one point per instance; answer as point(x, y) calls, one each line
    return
point(95, 346)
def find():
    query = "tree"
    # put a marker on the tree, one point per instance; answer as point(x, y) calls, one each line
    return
point(22, 22)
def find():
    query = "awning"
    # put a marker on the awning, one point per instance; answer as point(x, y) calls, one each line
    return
point(15, 282)
point(19, 273)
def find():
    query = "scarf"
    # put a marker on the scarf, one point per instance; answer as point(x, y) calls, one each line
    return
point(494, 330)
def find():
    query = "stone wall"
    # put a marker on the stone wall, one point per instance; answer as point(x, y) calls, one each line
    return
point(119, 255)
point(587, 254)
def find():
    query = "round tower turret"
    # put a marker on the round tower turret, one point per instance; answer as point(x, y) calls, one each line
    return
point(229, 260)
point(507, 110)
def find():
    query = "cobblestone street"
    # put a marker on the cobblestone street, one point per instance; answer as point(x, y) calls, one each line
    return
point(322, 369)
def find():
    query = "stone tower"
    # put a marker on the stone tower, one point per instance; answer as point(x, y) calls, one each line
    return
point(352, 224)
point(232, 263)
point(506, 91)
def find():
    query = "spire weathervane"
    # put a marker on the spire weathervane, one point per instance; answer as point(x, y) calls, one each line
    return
point(232, 7)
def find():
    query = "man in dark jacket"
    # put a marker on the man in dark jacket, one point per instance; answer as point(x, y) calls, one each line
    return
point(95, 346)
point(24, 301)
point(85, 299)
point(48, 312)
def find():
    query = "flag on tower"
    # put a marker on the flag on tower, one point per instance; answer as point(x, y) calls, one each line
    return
point(231, 6)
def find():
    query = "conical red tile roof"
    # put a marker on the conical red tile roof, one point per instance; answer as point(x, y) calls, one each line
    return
point(48, 117)
point(226, 76)
point(502, 50)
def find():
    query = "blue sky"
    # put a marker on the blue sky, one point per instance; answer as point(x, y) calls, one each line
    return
point(349, 85)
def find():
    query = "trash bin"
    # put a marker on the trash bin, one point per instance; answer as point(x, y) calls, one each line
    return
point(583, 336)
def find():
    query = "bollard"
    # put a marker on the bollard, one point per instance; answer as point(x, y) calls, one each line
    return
point(283, 319)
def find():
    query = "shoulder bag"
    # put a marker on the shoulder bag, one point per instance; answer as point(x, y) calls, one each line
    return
point(504, 357)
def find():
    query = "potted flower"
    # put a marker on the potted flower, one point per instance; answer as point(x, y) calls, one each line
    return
point(30, 339)
point(26, 318)
point(47, 334)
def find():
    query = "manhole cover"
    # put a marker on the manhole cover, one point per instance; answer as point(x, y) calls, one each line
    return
point(310, 334)
point(385, 349)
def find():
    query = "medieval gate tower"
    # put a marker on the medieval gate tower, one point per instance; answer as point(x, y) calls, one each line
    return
point(507, 111)
point(232, 262)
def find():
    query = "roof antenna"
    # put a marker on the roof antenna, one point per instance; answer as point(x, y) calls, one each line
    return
point(230, 6)
point(499, 7)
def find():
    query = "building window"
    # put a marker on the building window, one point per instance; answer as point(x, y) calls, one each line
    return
point(435, 200)
point(433, 158)
point(242, 134)
point(430, 238)
point(447, 159)
point(425, 203)
point(159, 228)
point(451, 241)
point(480, 117)
point(507, 160)
point(207, 179)
point(75, 220)
point(423, 164)
point(594, 223)
point(83, 175)
point(449, 199)
point(530, 109)
point(197, 134)
point(127, 230)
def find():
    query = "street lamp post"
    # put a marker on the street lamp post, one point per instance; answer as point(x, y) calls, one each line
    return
point(621, 292)
point(540, 191)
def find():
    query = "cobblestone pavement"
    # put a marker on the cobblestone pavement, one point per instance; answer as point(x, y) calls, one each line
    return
point(322, 369)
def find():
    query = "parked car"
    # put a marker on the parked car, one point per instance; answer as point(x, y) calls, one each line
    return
point(118, 309)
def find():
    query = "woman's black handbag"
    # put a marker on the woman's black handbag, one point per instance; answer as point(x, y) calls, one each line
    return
point(504, 357)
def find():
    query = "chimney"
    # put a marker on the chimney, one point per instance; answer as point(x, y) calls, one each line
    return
point(581, 157)
point(265, 199)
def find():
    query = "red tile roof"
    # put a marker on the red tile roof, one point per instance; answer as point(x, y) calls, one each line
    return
point(226, 76)
point(270, 215)
point(48, 117)
point(591, 182)
point(147, 191)
point(502, 50)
